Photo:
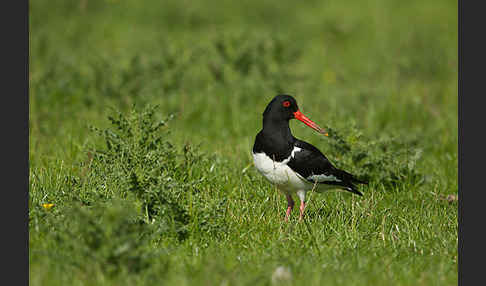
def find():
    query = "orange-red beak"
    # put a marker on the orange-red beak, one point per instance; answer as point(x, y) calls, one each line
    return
point(299, 116)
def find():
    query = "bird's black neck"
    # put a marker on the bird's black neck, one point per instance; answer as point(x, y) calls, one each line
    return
point(275, 139)
point(277, 128)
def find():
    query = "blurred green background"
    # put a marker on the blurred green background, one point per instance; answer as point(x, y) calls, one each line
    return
point(381, 69)
point(388, 65)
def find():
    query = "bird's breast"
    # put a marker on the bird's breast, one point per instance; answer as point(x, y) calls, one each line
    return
point(278, 173)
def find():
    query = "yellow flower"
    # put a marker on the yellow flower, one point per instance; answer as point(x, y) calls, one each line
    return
point(47, 206)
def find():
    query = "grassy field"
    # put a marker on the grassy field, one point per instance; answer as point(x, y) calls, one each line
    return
point(143, 116)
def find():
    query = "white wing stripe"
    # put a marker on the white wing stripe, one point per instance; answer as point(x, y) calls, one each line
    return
point(323, 178)
point(296, 149)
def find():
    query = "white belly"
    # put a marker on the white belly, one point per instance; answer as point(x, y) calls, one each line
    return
point(286, 180)
point(279, 173)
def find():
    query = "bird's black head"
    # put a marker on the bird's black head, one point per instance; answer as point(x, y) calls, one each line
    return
point(284, 107)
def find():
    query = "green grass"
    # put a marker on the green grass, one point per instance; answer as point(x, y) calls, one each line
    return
point(142, 116)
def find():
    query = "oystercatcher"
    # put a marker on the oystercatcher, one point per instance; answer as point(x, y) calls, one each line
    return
point(293, 165)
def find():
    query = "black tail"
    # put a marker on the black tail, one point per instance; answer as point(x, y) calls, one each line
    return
point(347, 177)
point(355, 180)
point(352, 189)
point(349, 181)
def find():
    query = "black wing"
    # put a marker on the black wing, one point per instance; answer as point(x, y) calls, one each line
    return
point(311, 164)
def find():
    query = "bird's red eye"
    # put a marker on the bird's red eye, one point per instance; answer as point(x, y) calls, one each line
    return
point(286, 103)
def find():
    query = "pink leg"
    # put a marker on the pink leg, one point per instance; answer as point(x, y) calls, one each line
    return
point(290, 206)
point(302, 208)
